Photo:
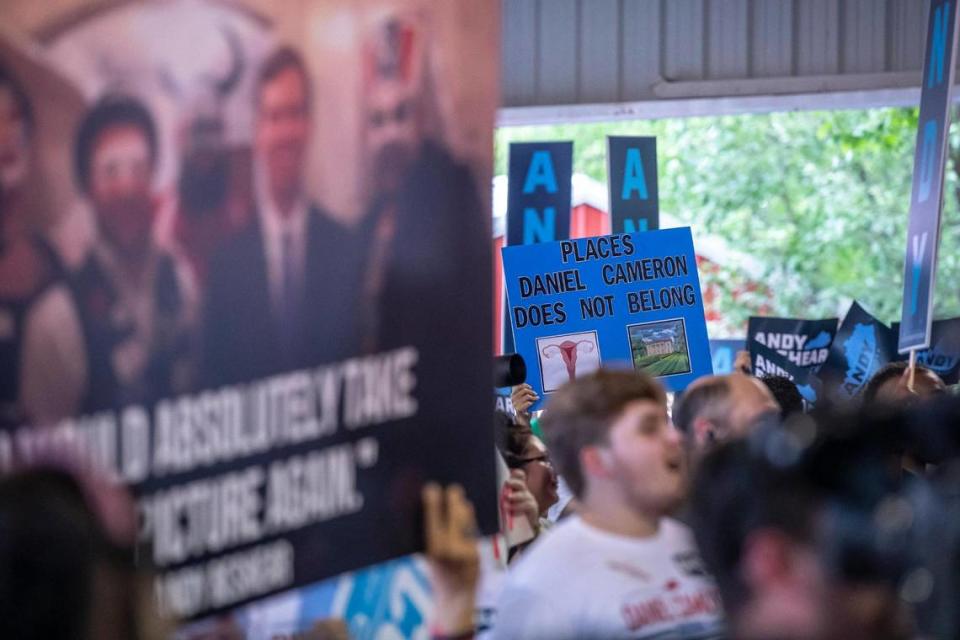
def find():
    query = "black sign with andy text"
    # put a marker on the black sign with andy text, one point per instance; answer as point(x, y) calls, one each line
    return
point(632, 179)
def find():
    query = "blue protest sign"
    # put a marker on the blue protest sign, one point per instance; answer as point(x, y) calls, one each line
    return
point(632, 180)
point(926, 202)
point(862, 347)
point(632, 171)
point(723, 353)
point(635, 298)
point(538, 192)
point(392, 600)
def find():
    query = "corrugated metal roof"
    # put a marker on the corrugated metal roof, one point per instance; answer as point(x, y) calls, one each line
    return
point(564, 52)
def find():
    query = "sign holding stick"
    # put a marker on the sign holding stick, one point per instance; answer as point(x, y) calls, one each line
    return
point(926, 202)
point(913, 369)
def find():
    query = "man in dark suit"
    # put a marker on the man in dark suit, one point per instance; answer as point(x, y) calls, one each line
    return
point(280, 294)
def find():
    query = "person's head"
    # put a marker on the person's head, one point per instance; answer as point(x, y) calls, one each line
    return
point(890, 385)
point(283, 123)
point(771, 531)
point(63, 572)
point(16, 131)
point(717, 408)
point(523, 450)
point(393, 103)
point(611, 439)
point(393, 132)
point(204, 163)
point(115, 154)
point(785, 392)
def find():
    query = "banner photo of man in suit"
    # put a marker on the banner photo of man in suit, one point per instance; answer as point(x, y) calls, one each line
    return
point(244, 260)
point(296, 261)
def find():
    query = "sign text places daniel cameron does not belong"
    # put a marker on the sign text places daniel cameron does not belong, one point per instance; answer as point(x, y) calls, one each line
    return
point(632, 298)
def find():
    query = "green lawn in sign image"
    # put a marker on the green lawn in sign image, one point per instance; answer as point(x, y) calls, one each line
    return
point(663, 365)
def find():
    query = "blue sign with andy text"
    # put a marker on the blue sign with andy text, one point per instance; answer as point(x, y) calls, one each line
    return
point(633, 299)
point(862, 347)
point(923, 235)
point(943, 355)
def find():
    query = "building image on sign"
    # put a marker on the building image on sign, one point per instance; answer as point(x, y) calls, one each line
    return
point(660, 348)
point(563, 358)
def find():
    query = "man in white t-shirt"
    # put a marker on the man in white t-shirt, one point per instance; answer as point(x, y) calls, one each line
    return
point(619, 568)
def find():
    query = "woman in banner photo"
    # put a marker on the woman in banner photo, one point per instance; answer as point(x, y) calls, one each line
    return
point(137, 299)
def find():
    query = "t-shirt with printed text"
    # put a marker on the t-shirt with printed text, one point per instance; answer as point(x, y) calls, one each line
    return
point(582, 582)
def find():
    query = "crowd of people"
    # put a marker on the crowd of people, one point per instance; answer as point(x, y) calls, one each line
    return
point(732, 510)
point(739, 513)
point(736, 513)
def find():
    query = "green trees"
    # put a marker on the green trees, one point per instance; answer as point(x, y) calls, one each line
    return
point(819, 198)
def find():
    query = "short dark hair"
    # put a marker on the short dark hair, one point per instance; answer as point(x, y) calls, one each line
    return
point(888, 372)
point(786, 394)
point(736, 492)
point(20, 98)
point(110, 111)
point(707, 397)
point(512, 438)
point(282, 59)
point(581, 413)
point(47, 556)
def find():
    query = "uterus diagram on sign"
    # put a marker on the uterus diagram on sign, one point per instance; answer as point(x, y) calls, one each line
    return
point(563, 358)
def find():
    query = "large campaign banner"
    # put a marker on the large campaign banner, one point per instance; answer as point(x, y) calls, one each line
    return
point(631, 299)
point(632, 183)
point(805, 343)
point(242, 250)
point(930, 156)
point(862, 347)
